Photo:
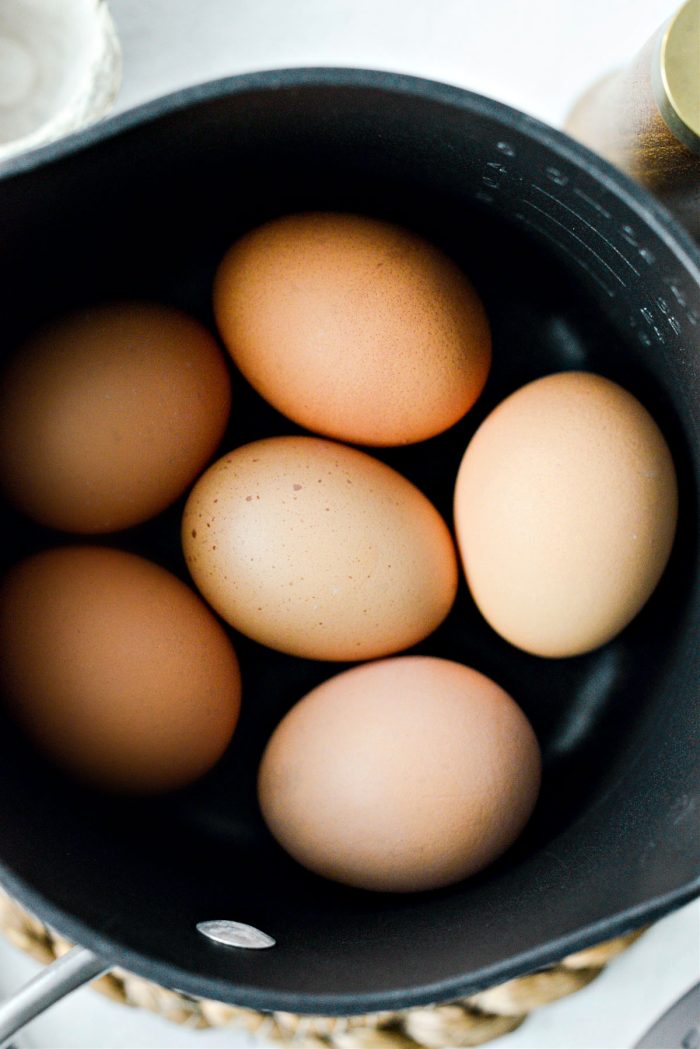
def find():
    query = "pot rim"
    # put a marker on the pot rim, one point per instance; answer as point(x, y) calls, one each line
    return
point(653, 212)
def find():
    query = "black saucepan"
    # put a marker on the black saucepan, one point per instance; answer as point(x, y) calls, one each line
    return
point(579, 268)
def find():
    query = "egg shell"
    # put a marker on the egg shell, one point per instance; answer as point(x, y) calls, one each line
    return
point(565, 511)
point(319, 550)
point(405, 774)
point(107, 415)
point(116, 669)
point(356, 328)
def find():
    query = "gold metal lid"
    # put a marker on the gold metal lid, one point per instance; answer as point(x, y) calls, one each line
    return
point(677, 75)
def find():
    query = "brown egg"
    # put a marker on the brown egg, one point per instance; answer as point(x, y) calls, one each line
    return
point(319, 550)
point(353, 327)
point(116, 669)
point(108, 415)
point(565, 509)
point(406, 774)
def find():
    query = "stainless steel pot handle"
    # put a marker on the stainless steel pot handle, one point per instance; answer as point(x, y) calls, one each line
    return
point(80, 965)
point(66, 974)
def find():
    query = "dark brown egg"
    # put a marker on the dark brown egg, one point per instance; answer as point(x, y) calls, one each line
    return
point(116, 669)
point(106, 416)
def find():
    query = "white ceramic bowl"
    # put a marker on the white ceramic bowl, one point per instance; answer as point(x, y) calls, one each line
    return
point(60, 68)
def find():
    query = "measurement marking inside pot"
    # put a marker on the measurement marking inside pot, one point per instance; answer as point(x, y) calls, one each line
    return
point(594, 203)
point(586, 223)
point(583, 244)
point(560, 244)
point(235, 934)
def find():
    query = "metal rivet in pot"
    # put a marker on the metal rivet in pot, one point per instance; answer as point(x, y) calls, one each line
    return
point(235, 934)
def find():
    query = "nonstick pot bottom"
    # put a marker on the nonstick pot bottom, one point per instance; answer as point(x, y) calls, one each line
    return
point(466, 1022)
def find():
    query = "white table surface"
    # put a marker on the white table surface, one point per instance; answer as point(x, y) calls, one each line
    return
point(537, 55)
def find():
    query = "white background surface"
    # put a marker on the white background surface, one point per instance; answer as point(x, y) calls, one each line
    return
point(537, 55)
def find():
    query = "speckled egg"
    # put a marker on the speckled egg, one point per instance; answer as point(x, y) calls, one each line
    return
point(319, 550)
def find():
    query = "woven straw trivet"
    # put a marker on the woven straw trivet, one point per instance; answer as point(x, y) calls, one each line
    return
point(467, 1022)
